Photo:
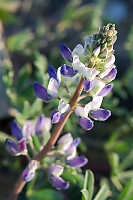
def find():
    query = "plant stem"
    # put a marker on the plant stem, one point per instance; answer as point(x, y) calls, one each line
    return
point(57, 131)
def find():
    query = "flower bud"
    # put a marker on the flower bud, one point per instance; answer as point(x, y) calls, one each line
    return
point(77, 162)
point(56, 117)
point(66, 52)
point(100, 114)
point(55, 170)
point(86, 123)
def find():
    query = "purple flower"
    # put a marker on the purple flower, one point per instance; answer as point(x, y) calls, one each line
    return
point(105, 90)
point(56, 117)
point(43, 124)
point(87, 85)
point(59, 183)
point(111, 75)
point(100, 114)
point(50, 93)
point(94, 111)
point(67, 71)
point(66, 52)
point(86, 123)
point(55, 170)
point(71, 151)
point(11, 146)
point(16, 130)
point(28, 129)
point(52, 72)
point(77, 162)
point(28, 175)
point(18, 147)
point(41, 92)
point(64, 143)
point(22, 145)
point(66, 146)
point(29, 172)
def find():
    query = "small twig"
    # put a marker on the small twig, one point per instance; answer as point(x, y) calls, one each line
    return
point(83, 96)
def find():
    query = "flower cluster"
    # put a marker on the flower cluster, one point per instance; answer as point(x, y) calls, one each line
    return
point(24, 135)
point(64, 155)
point(67, 149)
point(95, 63)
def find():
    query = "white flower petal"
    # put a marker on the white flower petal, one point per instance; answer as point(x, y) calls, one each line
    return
point(62, 107)
point(53, 87)
point(91, 73)
point(78, 50)
point(77, 64)
point(101, 75)
point(64, 142)
point(94, 104)
point(96, 51)
point(79, 111)
point(110, 61)
point(97, 86)
point(59, 75)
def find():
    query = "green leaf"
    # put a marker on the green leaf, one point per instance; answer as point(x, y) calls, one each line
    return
point(47, 194)
point(88, 189)
point(19, 41)
point(3, 137)
point(114, 162)
point(7, 17)
point(128, 161)
point(103, 193)
point(36, 142)
point(127, 192)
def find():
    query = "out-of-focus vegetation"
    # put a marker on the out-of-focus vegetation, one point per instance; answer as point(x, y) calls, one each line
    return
point(32, 33)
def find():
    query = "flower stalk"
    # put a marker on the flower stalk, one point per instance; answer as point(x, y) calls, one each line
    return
point(21, 183)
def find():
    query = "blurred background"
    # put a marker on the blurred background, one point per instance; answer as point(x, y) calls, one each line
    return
point(30, 34)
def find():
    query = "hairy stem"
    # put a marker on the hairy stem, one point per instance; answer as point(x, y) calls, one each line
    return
point(57, 131)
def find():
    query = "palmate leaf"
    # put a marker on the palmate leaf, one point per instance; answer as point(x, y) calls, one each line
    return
point(88, 188)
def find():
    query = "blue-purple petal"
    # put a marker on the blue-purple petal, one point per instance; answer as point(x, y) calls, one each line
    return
point(52, 72)
point(55, 170)
point(67, 71)
point(28, 175)
point(40, 124)
point(59, 183)
point(87, 85)
point(111, 75)
point(105, 90)
point(28, 129)
point(66, 52)
point(22, 145)
point(100, 114)
point(11, 146)
point(86, 123)
point(16, 130)
point(40, 91)
point(77, 162)
point(56, 117)
point(76, 142)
